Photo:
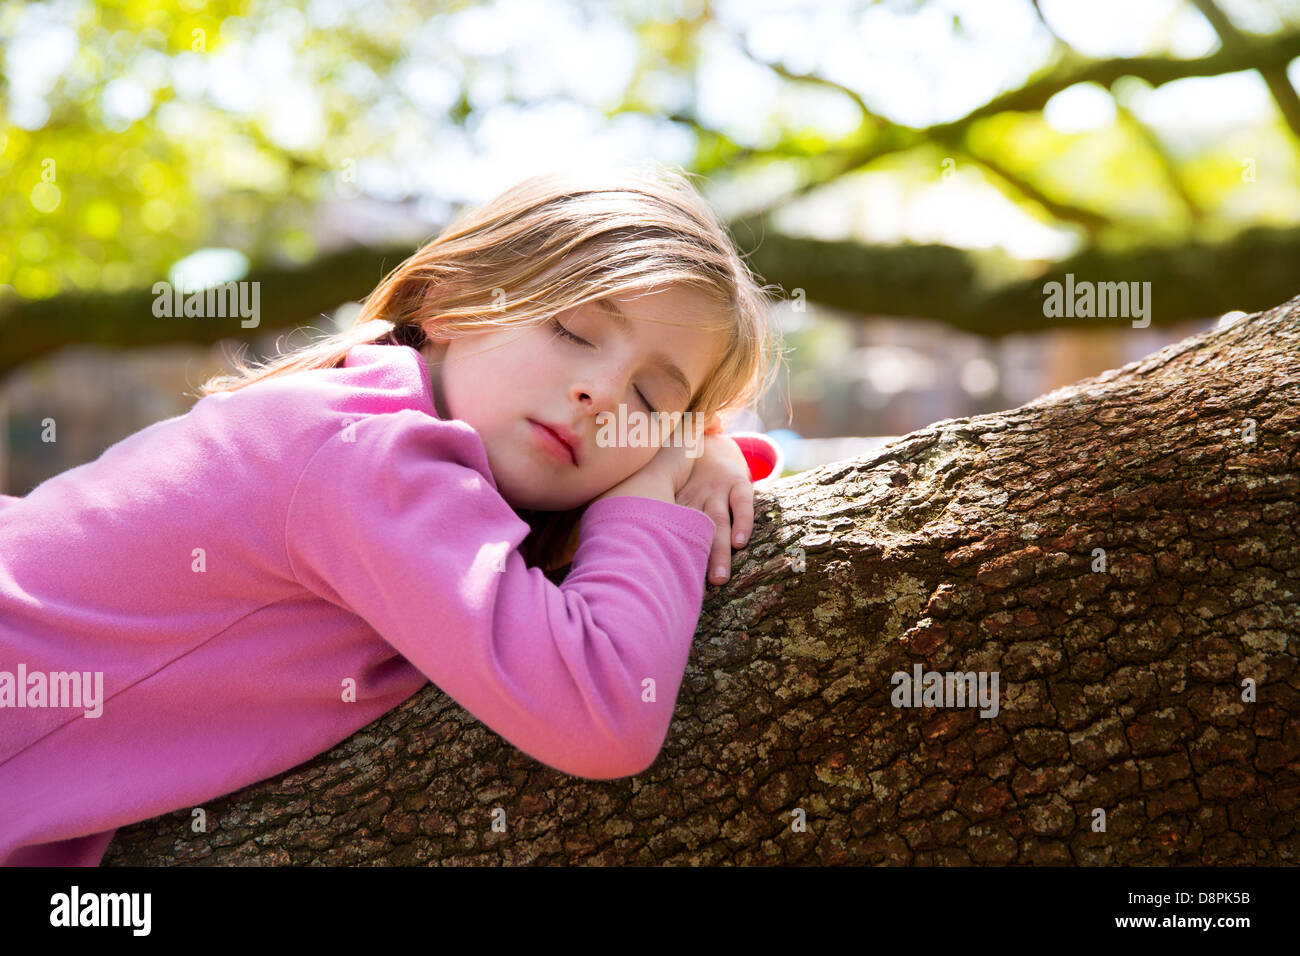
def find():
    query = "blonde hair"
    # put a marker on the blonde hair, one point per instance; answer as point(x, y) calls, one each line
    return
point(553, 242)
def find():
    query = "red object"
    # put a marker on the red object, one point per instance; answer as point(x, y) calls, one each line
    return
point(762, 455)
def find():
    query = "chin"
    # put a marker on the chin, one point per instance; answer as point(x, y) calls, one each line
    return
point(532, 500)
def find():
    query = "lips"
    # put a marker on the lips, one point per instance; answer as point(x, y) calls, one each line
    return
point(565, 436)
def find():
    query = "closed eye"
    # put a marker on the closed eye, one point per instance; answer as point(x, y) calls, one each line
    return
point(566, 333)
point(569, 335)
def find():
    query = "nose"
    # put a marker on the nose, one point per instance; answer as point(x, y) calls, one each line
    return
point(597, 393)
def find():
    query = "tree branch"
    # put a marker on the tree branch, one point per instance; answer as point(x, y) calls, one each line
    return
point(890, 137)
point(1194, 280)
point(1165, 161)
point(1066, 212)
point(1119, 555)
point(1252, 53)
point(1274, 74)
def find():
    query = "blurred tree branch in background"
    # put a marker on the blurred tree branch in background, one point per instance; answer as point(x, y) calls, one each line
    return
point(191, 171)
point(1273, 72)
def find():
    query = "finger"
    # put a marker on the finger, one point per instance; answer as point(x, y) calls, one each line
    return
point(720, 555)
point(742, 513)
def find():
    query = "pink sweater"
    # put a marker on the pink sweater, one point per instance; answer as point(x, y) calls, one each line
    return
point(261, 577)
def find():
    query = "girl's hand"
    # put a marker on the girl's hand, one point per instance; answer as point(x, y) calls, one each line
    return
point(719, 485)
point(672, 463)
point(661, 477)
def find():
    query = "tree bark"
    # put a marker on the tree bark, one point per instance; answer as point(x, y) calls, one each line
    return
point(973, 545)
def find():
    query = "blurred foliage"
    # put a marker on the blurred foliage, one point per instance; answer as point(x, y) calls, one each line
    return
point(102, 197)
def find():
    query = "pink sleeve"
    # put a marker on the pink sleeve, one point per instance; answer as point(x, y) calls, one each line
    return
point(582, 676)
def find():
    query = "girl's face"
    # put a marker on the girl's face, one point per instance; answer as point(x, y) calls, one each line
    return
point(503, 382)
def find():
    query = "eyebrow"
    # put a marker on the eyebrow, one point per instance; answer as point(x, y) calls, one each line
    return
point(661, 361)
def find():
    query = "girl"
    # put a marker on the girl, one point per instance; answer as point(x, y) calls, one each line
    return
point(228, 593)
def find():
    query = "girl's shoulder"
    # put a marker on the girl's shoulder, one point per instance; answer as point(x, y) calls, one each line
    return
point(292, 415)
point(372, 380)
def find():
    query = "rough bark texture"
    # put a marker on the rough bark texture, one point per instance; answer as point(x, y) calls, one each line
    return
point(966, 546)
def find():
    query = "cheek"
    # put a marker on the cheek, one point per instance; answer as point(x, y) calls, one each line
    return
point(641, 457)
point(623, 463)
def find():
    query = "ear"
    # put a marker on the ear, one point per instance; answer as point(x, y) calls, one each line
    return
point(714, 427)
point(434, 294)
point(430, 335)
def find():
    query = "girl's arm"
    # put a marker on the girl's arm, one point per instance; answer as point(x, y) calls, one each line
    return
point(721, 485)
point(403, 526)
